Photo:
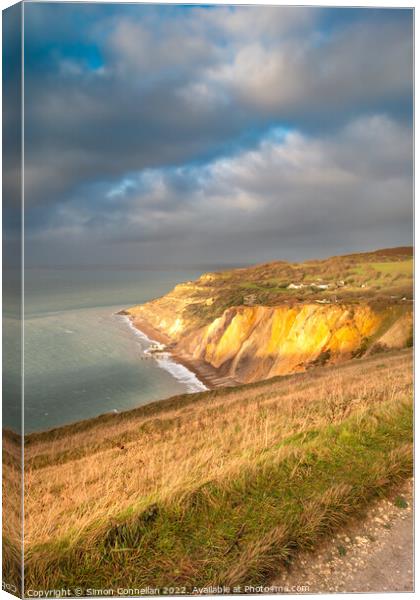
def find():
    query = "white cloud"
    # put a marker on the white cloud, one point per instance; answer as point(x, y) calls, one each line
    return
point(295, 73)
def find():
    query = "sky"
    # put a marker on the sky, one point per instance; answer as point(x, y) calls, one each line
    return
point(160, 135)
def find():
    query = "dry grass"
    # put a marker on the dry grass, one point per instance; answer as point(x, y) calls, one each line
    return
point(91, 476)
point(12, 510)
point(93, 491)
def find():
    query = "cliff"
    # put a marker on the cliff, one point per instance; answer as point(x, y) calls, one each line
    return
point(253, 343)
point(219, 322)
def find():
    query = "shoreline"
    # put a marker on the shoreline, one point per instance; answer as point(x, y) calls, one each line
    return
point(153, 335)
point(205, 373)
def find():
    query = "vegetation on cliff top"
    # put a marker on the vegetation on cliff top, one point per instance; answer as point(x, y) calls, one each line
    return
point(377, 277)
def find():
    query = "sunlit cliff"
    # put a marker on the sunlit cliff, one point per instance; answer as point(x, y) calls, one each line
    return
point(275, 319)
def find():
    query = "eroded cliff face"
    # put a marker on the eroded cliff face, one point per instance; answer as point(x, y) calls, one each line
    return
point(250, 343)
point(253, 343)
point(174, 314)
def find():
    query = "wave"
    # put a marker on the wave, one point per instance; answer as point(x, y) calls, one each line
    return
point(166, 361)
point(178, 371)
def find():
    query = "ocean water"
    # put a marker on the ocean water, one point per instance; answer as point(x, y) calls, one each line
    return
point(81, 359)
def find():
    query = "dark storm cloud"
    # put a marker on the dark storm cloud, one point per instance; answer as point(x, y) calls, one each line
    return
point(350, 188)
point(159, 128)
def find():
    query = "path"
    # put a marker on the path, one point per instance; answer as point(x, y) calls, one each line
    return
point(374, 554)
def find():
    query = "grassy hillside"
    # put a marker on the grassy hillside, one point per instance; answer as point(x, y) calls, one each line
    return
point(12, 518)
point(376, 276)
point(384, 276)
point(221, 487)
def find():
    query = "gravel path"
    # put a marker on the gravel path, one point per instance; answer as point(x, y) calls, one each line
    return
point(374, 554)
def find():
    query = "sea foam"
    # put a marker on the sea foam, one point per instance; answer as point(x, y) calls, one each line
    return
point(165, 361)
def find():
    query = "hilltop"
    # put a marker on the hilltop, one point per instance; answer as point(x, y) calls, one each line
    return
point(253, 323)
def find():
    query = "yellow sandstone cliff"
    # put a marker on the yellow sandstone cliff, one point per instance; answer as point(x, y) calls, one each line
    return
point(253, 343)
point(250, 343)
point(279, 318)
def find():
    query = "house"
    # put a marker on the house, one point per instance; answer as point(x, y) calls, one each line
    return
point(320, 286)
point(250, 299)
point(295, 286)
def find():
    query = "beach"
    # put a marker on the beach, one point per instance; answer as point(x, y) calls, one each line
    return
point(207, 375)
point(180, 369)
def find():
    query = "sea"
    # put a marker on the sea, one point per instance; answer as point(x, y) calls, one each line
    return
point(81, 358)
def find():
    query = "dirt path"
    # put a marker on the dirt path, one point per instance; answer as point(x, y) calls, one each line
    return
point(374, 554)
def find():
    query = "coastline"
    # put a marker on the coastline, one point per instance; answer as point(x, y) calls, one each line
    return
point(153, 336)
point(205, 373)
point(148, 330)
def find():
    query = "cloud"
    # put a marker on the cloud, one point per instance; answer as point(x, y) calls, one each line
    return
point(231, 128)
point(288, 190)
point(359, 65)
